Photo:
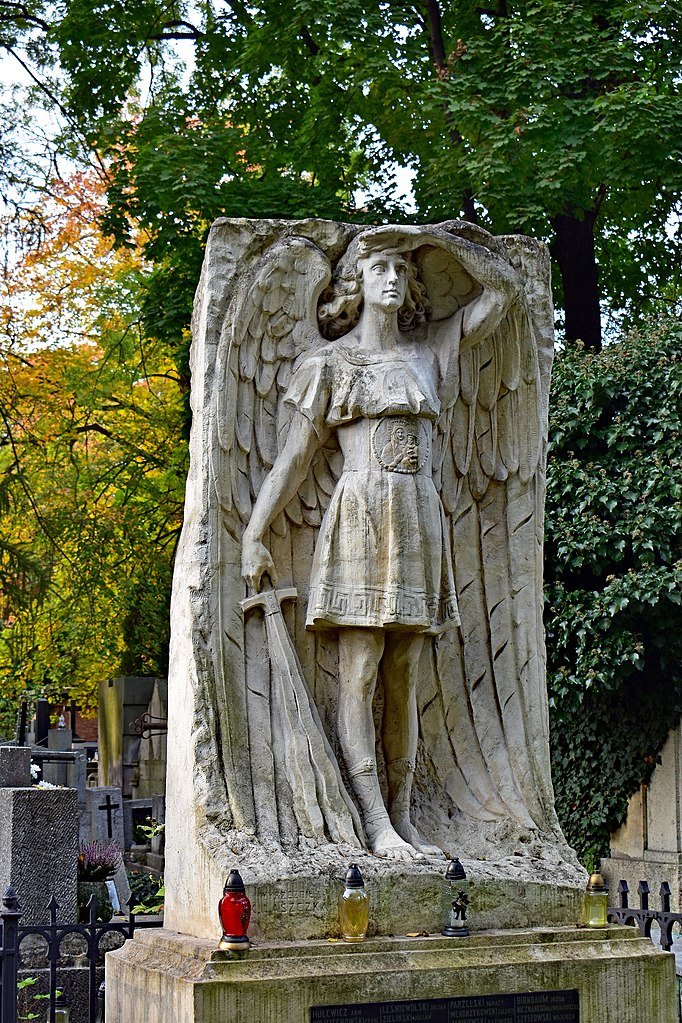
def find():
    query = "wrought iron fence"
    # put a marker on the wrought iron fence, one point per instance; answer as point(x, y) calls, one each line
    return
point(642, 916)
point(12, 933)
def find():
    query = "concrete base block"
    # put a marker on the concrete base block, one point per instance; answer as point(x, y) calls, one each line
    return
point(164, 977)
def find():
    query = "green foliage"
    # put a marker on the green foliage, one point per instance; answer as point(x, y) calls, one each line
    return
point(93, 462)
point(521, 114)
point(613, 573)
point(27, 997)
point(148, 890)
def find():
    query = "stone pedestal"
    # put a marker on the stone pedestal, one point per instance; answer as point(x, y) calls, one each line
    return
point(405, 898)
point(60, 740)
point(39, 850)
point(163, 977)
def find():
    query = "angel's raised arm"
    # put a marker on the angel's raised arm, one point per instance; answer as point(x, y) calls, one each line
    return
point(501, 285)
point(279, 487)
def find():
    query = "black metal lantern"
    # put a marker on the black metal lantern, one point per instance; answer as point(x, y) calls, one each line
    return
point(455, 901)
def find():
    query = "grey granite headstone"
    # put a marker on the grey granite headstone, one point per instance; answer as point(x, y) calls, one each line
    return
point(39, 850)
point(105, 811)
point(15, 767)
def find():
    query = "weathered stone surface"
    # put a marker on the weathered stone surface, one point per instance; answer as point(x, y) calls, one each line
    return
point(307, 908)
point(15, 767)
point(104, 808)
point(161, 977)
point(39, 850)
point(437, 429)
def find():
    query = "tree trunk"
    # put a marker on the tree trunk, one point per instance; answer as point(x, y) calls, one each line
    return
point(573, 249)
point(434, 28)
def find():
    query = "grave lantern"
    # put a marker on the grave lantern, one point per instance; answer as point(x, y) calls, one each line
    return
point(62, 1013)
point(455, 901)
point(354, 906)
point(596, 901)
point(234, 910)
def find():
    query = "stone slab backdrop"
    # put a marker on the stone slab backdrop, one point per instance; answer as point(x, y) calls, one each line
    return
point(357, 666)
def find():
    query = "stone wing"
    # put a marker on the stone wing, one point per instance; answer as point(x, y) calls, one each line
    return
point(489, 469)
point(272, 322)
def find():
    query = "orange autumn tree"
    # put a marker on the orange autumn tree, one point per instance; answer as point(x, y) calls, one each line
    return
point(92, 461)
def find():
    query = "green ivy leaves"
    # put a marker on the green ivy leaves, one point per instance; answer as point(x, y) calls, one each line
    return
point(613, 573)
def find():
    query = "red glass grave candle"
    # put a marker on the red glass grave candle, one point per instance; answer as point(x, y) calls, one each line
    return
point(234, 910)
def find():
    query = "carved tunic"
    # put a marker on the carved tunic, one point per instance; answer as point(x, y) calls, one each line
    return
point(383, 557)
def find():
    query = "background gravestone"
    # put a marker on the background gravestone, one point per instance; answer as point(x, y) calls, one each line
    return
point(136, 812)
point(104, 819)
point(15, 767)
point(122, 701)
point(104, 815)
point(38, 842)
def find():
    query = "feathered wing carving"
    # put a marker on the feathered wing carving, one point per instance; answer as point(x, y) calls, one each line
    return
point(491, 476)
point(296, 788)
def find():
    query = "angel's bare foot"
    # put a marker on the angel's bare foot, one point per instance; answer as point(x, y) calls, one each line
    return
point(384, 841)
point(406, 829)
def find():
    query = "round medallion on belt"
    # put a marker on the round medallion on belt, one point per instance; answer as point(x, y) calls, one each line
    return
point(401, 443)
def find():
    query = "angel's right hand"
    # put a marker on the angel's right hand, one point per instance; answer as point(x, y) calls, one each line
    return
point(257, 562)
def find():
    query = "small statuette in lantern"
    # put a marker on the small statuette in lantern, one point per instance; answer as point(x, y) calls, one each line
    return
point(455, 901)
point(354, 906)
point(596, 901)
point(234, 910)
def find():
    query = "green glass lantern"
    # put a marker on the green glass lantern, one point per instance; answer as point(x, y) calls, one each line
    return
point(455, 901)
point(354, 906)
point(595, 905)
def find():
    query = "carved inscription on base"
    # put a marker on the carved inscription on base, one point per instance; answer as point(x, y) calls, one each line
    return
point(532, 1007)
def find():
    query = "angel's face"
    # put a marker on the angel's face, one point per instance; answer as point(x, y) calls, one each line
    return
point(384, 280)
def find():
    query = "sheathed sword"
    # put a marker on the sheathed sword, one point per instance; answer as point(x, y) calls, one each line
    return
point(323, 809)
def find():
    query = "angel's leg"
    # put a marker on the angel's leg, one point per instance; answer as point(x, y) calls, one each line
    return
point(400, 671)
point(360, 652)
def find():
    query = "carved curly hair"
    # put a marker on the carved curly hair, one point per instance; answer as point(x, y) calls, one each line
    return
point(341, 302)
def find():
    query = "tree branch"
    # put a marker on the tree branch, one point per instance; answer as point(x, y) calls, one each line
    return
point(440, 63)
point(309, 41)
point(23, 15)
point(62, 109)
point(192, 32)
point(98, 428)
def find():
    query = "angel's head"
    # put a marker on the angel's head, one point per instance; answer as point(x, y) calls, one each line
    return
point(383, 272)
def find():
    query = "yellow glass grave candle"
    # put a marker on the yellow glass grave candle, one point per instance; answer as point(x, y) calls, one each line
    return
point(354, 906)
point(596, 902)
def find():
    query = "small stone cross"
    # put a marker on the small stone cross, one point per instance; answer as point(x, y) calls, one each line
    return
point(109, 806)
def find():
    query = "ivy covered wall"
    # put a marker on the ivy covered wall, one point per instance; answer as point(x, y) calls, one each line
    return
point(613, 574)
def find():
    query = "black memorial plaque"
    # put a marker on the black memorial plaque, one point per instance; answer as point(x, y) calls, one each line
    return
point(527, 1007)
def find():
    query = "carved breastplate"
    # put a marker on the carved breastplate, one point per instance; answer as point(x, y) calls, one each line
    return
point(400, 443)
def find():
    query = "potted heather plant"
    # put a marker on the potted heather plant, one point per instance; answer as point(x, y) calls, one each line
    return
point(97, 864)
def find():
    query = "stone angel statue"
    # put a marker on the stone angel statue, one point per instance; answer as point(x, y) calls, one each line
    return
point(370, 437)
